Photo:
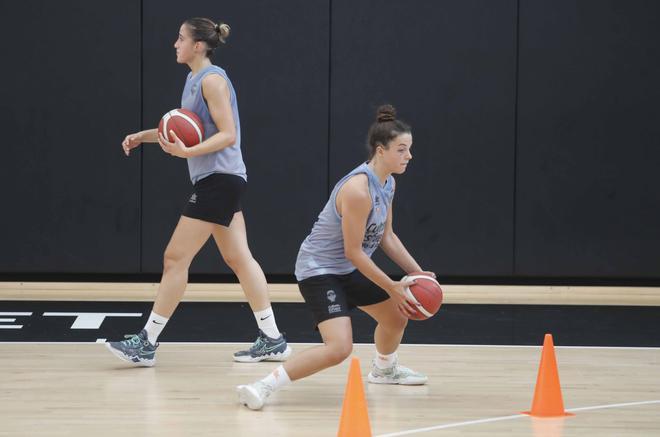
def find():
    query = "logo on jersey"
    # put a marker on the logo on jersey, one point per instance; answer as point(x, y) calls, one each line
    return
point(193, 198)
point(331, 295)
point(373, 235)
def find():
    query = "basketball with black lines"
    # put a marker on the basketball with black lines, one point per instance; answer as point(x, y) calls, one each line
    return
point(185, 124)
point(425, 295)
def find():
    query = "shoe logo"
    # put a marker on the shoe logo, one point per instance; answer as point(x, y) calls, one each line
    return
point(264, 318)
point(193, 198)
point(331, 295)
point(270, 349)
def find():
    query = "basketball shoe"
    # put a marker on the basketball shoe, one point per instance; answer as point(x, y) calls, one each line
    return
point(254, 395)
point(135, 349)
point(396, 374)
point(265, 349)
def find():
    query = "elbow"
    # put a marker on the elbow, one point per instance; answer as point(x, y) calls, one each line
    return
point(351, 255)
point(231, 137)
point(387, 239)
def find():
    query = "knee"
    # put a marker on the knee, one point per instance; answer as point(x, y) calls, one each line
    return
point(339, 352)
point(236, 260)
point(173, 259)
point(396, 323)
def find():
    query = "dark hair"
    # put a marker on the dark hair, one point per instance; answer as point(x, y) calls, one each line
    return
point(203, 29)
point(385, 128)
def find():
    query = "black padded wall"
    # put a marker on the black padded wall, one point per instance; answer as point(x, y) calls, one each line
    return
point(588, 202)
point(534, 122)
point(277, 59)
point(449, 68)
point(70, 88)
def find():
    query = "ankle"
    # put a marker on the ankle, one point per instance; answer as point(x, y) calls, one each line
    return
point(277, 379)
point(385, 361)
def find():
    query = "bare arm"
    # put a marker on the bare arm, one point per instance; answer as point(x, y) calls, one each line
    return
point(218, 98)
point(354, 204)
point(216, 93)
point(133, 140)
point(395, 250)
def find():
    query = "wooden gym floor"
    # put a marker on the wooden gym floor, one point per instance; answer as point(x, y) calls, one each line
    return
point(81, 389)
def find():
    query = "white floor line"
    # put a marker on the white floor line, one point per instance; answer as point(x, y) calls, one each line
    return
point(601, 407)
point(453, 425)
point(516, 416)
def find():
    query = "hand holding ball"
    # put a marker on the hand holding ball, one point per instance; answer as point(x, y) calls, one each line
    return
point(425, 295)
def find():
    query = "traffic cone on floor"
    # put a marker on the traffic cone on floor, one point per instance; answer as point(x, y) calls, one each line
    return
point(548, 401)
point(354, 420)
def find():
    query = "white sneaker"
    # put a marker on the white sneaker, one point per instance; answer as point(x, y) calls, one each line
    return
point(395, 375)
point(254, 395)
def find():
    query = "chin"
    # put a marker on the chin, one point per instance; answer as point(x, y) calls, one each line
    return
point(400, 170)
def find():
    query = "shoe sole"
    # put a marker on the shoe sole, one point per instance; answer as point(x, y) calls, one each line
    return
point(280, 356)
point(384, 380)
point(249, 397)
point(119, 354)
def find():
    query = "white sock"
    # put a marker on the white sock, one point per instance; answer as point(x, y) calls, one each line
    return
point(277, 379)
point(155, 326)
point(384, 361)
point(266, 321)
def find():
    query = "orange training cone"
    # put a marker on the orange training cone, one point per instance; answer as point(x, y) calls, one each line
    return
point(547, 395)
point(354, 420)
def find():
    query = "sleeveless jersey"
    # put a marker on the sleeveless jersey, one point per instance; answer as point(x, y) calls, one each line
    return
point(228, 160)
point(322, 252)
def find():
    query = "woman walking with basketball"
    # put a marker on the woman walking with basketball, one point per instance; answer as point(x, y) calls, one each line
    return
point(335, 272)
point(219, 178)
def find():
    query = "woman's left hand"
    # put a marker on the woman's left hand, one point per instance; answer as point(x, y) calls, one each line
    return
point(176, 148)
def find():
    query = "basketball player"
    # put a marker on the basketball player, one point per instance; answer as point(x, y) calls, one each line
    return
point(219, 178)
point(335, 272)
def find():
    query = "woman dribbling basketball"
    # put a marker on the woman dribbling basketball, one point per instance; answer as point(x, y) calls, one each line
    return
point(335, 272)
point(219, 178)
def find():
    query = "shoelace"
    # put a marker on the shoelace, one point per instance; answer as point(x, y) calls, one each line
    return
point(133, 340)
point(257, 344)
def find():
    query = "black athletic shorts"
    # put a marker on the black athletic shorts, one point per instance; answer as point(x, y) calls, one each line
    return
point(330, 296)
point(216, 198)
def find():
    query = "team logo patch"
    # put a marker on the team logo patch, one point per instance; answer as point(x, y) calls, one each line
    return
point(332, 297)
point(193, 198)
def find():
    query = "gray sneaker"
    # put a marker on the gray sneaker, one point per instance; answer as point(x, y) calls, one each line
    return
point(265, 349)
point(396, 374)
point(135, 349)
point(254, 395)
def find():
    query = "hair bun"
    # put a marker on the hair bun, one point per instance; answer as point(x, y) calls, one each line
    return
point(385, 113)
point(223, 31)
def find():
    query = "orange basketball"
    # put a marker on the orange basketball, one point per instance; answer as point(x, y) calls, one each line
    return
point(185, 124)
point(425, 294)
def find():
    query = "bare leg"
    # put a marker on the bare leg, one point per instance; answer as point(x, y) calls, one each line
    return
point(387, 336)
point(337, 337)
point(233, 245)
point(390, 328)
point(188, 238)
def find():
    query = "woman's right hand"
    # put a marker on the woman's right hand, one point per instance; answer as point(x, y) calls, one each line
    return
point(397, 293)
point(131, 141)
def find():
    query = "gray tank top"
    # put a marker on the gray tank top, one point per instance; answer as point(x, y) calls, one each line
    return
point(322, 252)
point(228, 160)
